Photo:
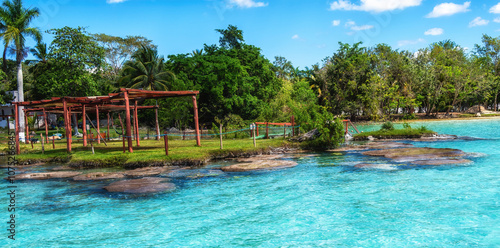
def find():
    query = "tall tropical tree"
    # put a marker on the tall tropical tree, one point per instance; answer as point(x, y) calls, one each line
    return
point(146, 71)
point(15, 28)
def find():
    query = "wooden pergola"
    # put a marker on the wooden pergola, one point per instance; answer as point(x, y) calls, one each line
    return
point(112, 102)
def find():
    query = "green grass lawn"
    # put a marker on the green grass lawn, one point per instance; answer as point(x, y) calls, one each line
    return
point(148, 151)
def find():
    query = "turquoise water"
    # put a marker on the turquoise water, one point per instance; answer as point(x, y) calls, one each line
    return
point(323, 202)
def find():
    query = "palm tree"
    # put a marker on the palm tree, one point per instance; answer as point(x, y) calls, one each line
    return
point(146, 71)
point(40, 52)
point(15, 27)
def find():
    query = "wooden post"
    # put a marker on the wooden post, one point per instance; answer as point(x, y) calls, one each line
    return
point(346, 127)
point(26, 127)
point(46, 120)
point(267, 130)
point(70, 128)
point(220, 134)
point(98, 126)
point(121, 124)
point(99, 136)
point(108, 126)
point(43, 145)
point(293, 125)
point(166, 142)
point(257, 128)
point(66, 117)
point(284, 133)
point(136, 121)
point(123, 139)
point(16, 124)
point(84, 125)
point(157, 124)
point(254, 142)
point(127, 119)
point(196, 124)
point(53, 142)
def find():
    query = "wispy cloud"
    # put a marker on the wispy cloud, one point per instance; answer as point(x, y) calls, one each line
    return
point(374, 5)
point(495, 9)
point(434, 31)
point(245, 4)
point(336, 22)
point(478, 21)
point(497, 20)
point(410, 42)
point(295, 37)
point(115, 1)
point(352, 25)
point(448, 9)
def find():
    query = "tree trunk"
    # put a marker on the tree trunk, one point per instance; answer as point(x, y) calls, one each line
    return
point(4, 59)
point(75, 120)
point(20, 93)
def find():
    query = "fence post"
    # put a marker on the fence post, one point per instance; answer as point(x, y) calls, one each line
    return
point(43, 145)
point(166, 142)
point(267, 130)
point(220, 134)
point(53, 142)
point(254, 142)
point(123, 139)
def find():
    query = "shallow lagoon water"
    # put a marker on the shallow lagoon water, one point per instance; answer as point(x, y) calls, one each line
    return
point(323, 202)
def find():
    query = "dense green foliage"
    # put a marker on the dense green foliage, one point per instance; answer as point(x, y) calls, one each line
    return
point(387, 131)
point(238, 85)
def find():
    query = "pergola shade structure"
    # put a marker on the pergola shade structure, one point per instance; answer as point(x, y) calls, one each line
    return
point(112, 102)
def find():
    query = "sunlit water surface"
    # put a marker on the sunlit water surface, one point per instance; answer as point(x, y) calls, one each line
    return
point(323, 202)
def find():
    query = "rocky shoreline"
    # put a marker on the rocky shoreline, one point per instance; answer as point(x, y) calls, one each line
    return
point(146, 178)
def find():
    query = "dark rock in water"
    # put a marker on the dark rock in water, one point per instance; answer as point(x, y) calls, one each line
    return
point(46, 175)
point(422, 156)
point(146, 172)
point(311, 135)
point(141, 186)
point(259, 163)
point(62, 168)
point(98, 176)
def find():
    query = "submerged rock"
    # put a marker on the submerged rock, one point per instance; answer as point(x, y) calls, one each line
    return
point(259, 163)
point(46, 175)
point(146, 172)
point(98, 176)
point(376, 166)
point(442, 162)
point(141, 186)
point(421, 155)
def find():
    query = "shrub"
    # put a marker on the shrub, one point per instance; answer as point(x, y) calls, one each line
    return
point(387, 126)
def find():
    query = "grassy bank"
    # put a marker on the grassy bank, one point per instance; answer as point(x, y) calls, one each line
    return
point(389, 132)
point(150, 152)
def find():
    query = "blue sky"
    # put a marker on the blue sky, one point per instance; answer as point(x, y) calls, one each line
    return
point(305, 32)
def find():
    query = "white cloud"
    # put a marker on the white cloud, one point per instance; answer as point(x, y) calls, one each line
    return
point(245, 4)
point(448, 9)
point(410, 42)
point(352, 25)
point(434, 31)
point(336, 22)
point(495, 9)
point(374, 5)
point(478, 21)
point(115, 1)
point(497, 20)
point(295, 37)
